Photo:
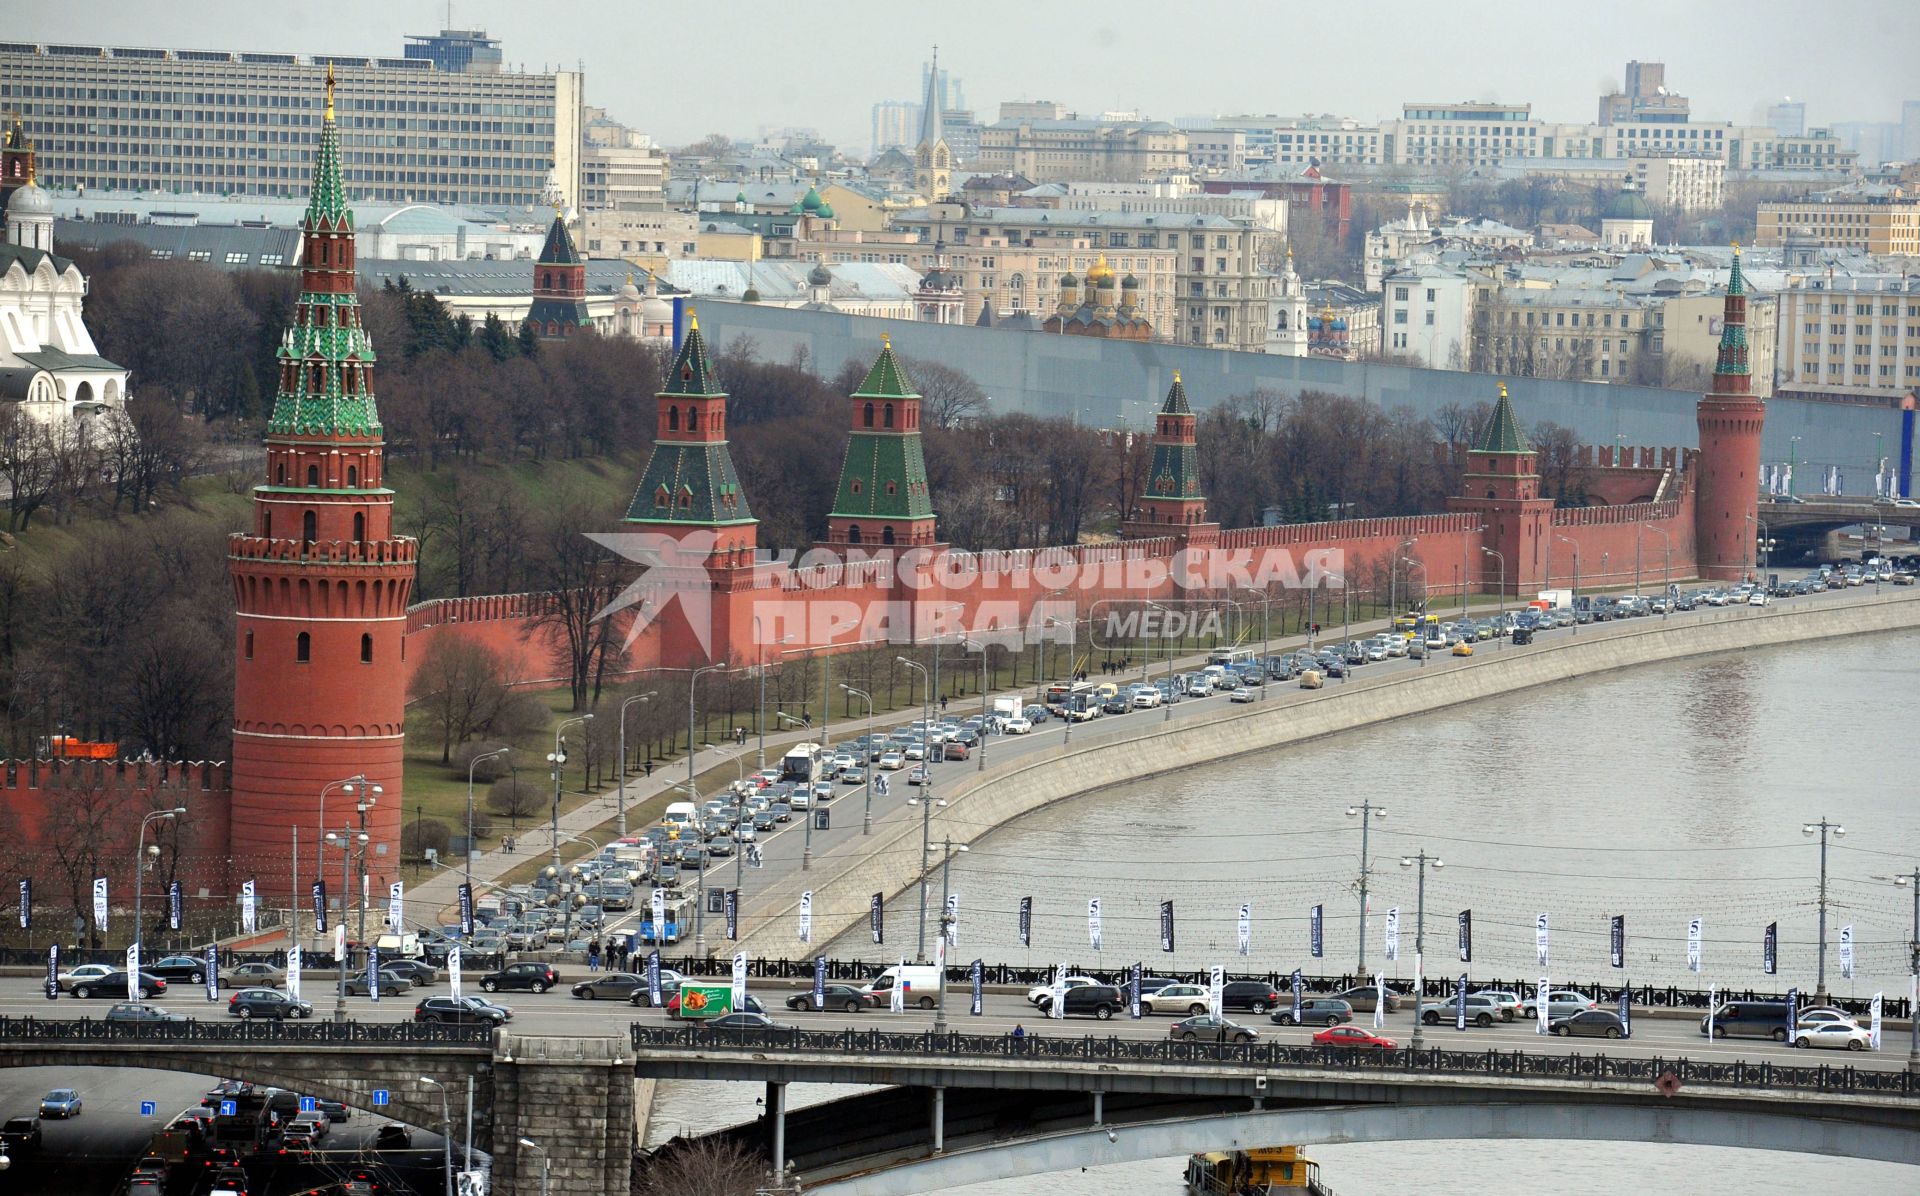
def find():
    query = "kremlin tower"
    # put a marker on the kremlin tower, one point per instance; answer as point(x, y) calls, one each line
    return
point(883, 499)
point(1730, 419)
point(1172, 503)
point(322, 582)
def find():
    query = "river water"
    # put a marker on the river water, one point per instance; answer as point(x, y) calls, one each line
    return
point(1662, 794)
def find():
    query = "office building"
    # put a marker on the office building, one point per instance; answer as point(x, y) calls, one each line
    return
point(1645, 98)
point(1850, 333)
point(1873, 218)
point(1788, 118)
point(240, 123)
point(456, 51)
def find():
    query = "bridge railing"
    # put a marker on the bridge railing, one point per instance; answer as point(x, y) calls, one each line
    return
point(24, 1030)
point(1402, 1062)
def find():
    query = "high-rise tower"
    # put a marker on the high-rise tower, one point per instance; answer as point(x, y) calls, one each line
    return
point(933, 158)
point(1727, 495)
point(321, 582)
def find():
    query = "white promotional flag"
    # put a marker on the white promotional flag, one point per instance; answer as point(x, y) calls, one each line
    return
point(293, 972)
point(1393, 933)
point(1380, 1000)
point(953, 920)
point(1873, 1023)
point(1056, 1006)
point(1093, 922)
point(100, 903)
point(1246, 929)
point(806, 916)
point(133, 972)
point(397, 905)
point(1540, 940)
point(1540, 1006)
point(659, 903)
point(1693, 945)
point(1846, 952)
point(739, 979)
point(340, 938)
point(1713, 1004)
point(249, 908)
point(898, 1001)
point(1216, 990)
point(939, 969)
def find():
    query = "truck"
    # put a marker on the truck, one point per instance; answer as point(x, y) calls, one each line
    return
point(919, 985)
point(698, 1002)
point(1553, 600)
point(404, 945)
point(1007, 707)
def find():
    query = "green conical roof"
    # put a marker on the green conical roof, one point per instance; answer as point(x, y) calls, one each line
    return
point(1176, 403)
point(1731, 359)
point(1502, 433)
point(887, 380)
point(692, 372)
point(327, 201)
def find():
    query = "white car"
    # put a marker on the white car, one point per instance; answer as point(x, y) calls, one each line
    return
point(1177, 999)
point(892, 760)
point(842, 762)
point(1759, 598)
point(1046, 990)
point(1246, 693)
point(1016, 726)
point(82, 974)
point(1835, 1036)
point(915, 751)
point(1144, 697)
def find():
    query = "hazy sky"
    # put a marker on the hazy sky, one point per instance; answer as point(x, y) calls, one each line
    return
point(683, 69)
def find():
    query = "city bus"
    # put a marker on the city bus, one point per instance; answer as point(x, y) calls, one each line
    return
point(1060, 695)
point(801, 763)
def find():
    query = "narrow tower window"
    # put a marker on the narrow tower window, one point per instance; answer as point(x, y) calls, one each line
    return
point(673, 419)
point(313, 475)
point(366, 649)
point(249, 645)
point(887, 418)
point(307, 527)
point(866, 416)
point(359, 527)
point(886, 534)
point(693, 419)
point(303, 648)
point(353, 477)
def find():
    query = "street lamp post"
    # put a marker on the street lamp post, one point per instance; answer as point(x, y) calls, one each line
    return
point(1502, 595)
point(361, 808)
point(946, 932)
point(471, 765)
point(1419, 934)
point(693, 794)
point(140, 870)
point(343, 839)
point(924, 801)
point(446, 1130)
point(1073, 631)
point(1666, 566)
point(350, 785)
point(558, 758)
point(1913, 970)
point(1822, 828)
point(1365, 811)
point(866, 766)
point(1576, 574)
point(626, 702)
point(760, 722)
point(1166, 703)
point(806, 850)
point(530, 1144)
point(1420, 629)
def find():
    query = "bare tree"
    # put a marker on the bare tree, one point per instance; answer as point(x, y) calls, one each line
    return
point(29, 464)
point(512, 798)
point(579, 580)
point(460, 689)
point(948, 397)
point(86, 826)
point(707, 1167)
point(149, 447)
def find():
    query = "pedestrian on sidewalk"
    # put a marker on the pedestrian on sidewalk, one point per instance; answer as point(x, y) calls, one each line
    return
point(593, 954)
point(647, 768)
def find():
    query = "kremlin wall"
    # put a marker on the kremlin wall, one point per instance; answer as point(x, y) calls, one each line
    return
point(326, 637)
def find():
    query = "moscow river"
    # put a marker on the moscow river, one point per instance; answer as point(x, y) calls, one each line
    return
point(1661, 794)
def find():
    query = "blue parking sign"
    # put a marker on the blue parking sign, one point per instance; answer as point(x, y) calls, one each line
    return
point(147, 1108)
point(229, 1108)
point(308, 1104)
point(379, 1098)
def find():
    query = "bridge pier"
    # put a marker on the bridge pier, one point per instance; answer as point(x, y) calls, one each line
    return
point(777, 1120)
point(1099, 1107)
point(939, 1120)
point(573, 1099)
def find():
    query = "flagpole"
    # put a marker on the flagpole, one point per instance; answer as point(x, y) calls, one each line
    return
point(293, 931)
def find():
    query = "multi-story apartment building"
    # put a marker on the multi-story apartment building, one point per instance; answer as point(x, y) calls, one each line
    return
point(1220, 288)
point(1605, 334)
point(1875, 218)
point(1848, 334)
point(241, 123)
point(1055, 150)
point(1429, 314)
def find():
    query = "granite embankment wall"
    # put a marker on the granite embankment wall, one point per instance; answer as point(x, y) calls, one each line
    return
point(1134, 748)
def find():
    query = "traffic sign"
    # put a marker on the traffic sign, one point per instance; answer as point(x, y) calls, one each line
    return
point(148, 1108)
point(229, 1108)
point(379, 1098)
point(308, 1104)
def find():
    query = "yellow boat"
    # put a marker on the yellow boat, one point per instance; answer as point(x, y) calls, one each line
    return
point(1264, 1172)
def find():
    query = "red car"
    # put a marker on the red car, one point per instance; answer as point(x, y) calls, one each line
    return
point(1353, 1037)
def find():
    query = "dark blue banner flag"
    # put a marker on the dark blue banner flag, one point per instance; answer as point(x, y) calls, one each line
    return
point(733, 915)
point(1166, 925)
point(213, 972)
point(26, 905)
point(1793, 1013)
point(466, 910)
point(1619, 941)
point(1626, 1011)
point(1466, 936)
point(1298, 983)
point(877, 918)
point(979, 1004)
point(653, 979)
point(1459, 1002)
point(819, 982)
point(373, 973)
point(1026, 922)
point(175, 900)
point(1316, 945)
point(1133, 992)
point(319, 907)
point(53, 971)
point(1770, 950)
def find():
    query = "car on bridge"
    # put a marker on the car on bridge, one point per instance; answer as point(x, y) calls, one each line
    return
point(1482, 1010)
point(528, 977)
point(61, 1102)
point(1364, 997)
point(419, 971)
point(137, 1014)
point(256, 973)
point(461, 1011)
point(1255, 996)
point(114, 984)
point(1190, 999)
point(392, 981)
point(669, 984)
point(1589, 1023)
point(744, 1022)
point(1087, 1000)
point(1833, 1036)
point(20, 1136)
point(1207, 1028)
point(176, 968)
point(1046, 990)
point(836, 996)
point(85, 973)
point(1561, 1002)
point(267, 1002)
point(1354, 1038)
point(611, 986)
point(1314, 1011)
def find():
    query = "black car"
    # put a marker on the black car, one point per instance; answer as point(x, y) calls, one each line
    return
point(134, 1013)
point(416, 970)
point(461, 1010)
point(266, 1002)
point(1207, 1028)
point(531, 977)
point(612, 986)
point(1087, 1000)
point(177, 968)
point(1315, 1011)
point(21, 1135)
point(392, 983)
point(1589, 1023)
point(1255, 996)
point(739, 1022)
point(838, 996)
point(332, 1110)
point(113, 985)
point(393, 1136)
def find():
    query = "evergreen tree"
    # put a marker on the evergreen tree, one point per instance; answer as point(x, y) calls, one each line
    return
point(529, 343)
point(495, 339)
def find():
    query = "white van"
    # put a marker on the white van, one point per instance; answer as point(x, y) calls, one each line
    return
point(681, 815)
point(922, 983)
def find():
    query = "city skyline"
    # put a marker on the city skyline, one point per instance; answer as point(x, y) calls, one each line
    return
point(1731, 71)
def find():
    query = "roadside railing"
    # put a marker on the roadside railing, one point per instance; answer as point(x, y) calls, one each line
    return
point(1403, 1063)
point(28, 1030)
